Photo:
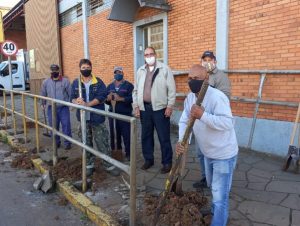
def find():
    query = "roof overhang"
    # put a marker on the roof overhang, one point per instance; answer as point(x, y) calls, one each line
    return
point(125, 10)
point(13, 14)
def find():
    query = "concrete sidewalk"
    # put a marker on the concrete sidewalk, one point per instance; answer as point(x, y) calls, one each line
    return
point(262, 194)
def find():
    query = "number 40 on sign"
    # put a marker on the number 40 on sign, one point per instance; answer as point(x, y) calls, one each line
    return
point(9, 48)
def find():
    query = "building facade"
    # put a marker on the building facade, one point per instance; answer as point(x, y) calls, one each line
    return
point(14, 26)
point(245, 35)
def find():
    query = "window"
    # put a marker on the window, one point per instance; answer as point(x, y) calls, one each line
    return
point(70, 16)
point(14, 70)
point(74, 14)
point(154, 37)
point(95, 6)
point(2, 65)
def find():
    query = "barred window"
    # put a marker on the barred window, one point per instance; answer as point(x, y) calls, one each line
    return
point(74, 14)
point(71, 16)
point(154, 37)
point(95, 6)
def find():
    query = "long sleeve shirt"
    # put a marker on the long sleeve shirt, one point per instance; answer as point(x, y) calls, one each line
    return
point(219, 80)
point(214, 131)
point(124, 90)
point(56, 89)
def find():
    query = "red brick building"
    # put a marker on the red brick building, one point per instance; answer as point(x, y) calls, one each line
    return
point(254, 34)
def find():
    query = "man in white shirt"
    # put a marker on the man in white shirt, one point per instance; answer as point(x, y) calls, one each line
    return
point(215, 135)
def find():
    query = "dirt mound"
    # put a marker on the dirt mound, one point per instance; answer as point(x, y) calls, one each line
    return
point(67, 169)
point(22, 161)
point(71, 170)
point(178, 211)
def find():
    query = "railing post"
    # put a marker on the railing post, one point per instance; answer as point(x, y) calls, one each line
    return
point(83, 136)
point(54, 145)
point(23, 116)
point(5, 110)
point(12, 96)
point(133, 137)
point(258, 99)
point(37, 133)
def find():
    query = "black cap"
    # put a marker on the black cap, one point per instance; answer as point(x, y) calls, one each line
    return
point(208, 54)
point(54, 67)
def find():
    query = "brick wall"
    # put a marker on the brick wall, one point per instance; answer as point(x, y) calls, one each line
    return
point(19, 37)
point(264, 34)
point(111, 44)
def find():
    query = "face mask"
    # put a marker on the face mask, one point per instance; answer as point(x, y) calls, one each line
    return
point(54, 74)
point(150, 60)
point(118, 77)
point(195, 85)
point(209, 66)
point(86, 72)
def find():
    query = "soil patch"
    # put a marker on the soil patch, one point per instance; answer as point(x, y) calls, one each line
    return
point(178, 211)
point(67, 169)
point(71, 170)
point(117, 154)
point(22, 161)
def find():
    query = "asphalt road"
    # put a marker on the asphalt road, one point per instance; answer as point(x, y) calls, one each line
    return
point(21, 205)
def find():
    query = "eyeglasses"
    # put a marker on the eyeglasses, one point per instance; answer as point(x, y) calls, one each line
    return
point(149, 54)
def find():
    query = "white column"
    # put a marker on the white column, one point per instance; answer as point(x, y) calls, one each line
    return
point(85, 29)
point(222, 31)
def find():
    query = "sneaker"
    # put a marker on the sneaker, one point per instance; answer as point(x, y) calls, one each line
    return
point(201, 184)
point(112, 170)
point(90, 170)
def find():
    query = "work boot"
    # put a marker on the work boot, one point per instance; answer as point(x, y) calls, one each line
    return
point(166, 168)
point(147, 165)
point(201, 184)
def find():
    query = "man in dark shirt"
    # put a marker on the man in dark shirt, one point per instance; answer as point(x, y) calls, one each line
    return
point(120, 98)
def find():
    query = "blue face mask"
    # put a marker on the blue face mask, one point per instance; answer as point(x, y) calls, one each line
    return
point(118, 77)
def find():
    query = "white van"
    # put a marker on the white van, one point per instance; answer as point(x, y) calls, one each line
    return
point(19, 74)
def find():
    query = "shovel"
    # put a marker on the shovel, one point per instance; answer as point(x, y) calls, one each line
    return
point(293, 151)
point(46, 134)
point(117, 152)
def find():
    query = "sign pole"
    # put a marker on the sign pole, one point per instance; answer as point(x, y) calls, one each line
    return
point(10, 73)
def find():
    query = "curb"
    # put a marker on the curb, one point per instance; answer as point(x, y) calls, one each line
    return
point(79, 200)
point(12, 141)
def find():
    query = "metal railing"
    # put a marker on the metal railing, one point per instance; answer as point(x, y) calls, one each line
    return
point(258, 100)
point(129, 170)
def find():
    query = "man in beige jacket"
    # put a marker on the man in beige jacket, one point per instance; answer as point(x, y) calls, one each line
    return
point(154, 96)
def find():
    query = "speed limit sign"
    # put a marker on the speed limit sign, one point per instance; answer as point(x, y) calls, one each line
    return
point(9, 48)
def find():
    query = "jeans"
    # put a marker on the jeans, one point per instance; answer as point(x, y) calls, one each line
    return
point(201, 159)
point(219, 174)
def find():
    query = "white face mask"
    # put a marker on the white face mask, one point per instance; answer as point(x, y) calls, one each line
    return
point(209, 66)
point(150, 60)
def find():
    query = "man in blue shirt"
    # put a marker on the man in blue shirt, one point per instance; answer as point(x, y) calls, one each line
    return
point(120, 93)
